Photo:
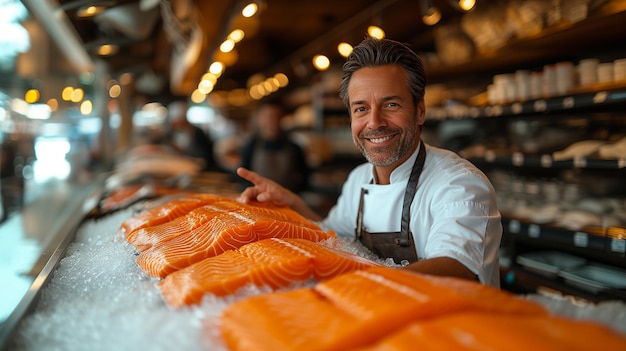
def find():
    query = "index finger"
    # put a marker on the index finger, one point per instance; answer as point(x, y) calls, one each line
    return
point(250, 176)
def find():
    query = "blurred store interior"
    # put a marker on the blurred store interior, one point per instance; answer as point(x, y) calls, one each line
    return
point(510, 88)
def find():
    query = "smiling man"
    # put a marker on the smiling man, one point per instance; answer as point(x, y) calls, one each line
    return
point(427, 208)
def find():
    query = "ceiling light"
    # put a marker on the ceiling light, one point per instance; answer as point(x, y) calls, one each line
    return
point(107, 50)
point(227, 46)
point(197, 97)
point(344, 49)
point(236, 35)
point(205, 86)
point(466, 5)
point(115, 91)
point(254, 93)
point(66, 93)
point(90, 11)
point(31, 96)
point(283, 80)
point(210, 77)
point(216, 68)
point(258, 90)
point(77, 95)
point(269, 87)
point(430, 14)
point(86, 107)
point(321, 62)
point(250, 9)
point(53, 104)
point(274, 83)
point(376, 32)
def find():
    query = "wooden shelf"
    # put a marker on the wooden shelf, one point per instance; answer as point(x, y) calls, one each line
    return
point(594, 100)
point(604, 28)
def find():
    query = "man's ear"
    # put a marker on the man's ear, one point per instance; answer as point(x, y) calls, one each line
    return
point(421, 113)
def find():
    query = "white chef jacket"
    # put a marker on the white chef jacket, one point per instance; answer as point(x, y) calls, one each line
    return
point(453, 214)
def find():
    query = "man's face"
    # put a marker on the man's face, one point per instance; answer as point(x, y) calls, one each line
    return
point(384, 120)
point(268, 122)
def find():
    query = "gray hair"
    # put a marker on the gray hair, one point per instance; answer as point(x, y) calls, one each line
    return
point(372, 52)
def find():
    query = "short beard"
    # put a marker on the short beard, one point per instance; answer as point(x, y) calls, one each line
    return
point(401, 150)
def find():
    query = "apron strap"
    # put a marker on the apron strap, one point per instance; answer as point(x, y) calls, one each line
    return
point(411, 189)
point(359, 216)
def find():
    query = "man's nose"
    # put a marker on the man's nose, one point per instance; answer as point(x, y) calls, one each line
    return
point(376, 119)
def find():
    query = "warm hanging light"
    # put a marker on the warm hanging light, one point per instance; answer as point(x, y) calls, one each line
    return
point(376, 32)
point(197, 97)
point(250, 9)
point(344, 49)
point(86, 107)
point(90, 11)
point(53, 104)
point(236, 35)
point(115, 91)
point(227, 45)
point(205, 86)
point(430, 14)
point(66, 93)
point(216, 68)
point(321, 62)
point(466, 5)
point(31, 96)
point(107, 50)
point(282, 79)
point(77, 95)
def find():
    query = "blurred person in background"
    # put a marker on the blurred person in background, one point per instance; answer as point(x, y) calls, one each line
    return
point(7, 172)
point(16, 152)
point(189, 139)
point(430, 210)
point(271, 152)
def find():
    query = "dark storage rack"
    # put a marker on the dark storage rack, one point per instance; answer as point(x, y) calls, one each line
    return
point(519, 235)
point(609, 247)
point(581, 102)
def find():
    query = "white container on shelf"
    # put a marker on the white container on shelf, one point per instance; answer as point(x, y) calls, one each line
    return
point(549, 80)
point(619, 70)
point(565, 77)
point(522, 83)
point(536, 85)
point(588, 71)
point(605, 72)
point(505, 87)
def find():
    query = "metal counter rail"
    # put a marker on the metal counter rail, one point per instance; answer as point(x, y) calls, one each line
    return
point(50, 221)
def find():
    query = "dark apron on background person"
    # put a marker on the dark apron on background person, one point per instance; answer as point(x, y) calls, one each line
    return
point(397, 245)
point(275, 161)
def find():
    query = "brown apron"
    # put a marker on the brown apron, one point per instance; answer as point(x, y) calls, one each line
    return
point(397, 245)
point(276, 164)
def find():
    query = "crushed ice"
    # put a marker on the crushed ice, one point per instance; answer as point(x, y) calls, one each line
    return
point(99, 299)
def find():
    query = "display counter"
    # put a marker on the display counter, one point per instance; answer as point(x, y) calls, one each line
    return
point(33, 240)
point(85, 288)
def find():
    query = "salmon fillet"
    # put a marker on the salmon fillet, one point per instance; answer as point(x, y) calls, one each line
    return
point(288, 320)
point(144, 238)
point(158, 224)
point(164, 213)
point(274, 263)
point(487, 331)
point(357, 309)
point(224, 231)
